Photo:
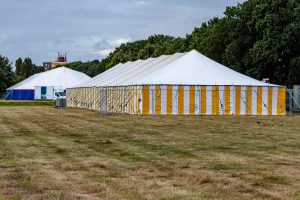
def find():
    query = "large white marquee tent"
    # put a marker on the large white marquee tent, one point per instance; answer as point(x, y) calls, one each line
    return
point(61, 77)
point(180, 84)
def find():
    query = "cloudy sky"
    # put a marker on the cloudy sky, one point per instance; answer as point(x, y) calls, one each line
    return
point(90, 29)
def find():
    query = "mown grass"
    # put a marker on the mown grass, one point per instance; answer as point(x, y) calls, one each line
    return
point(26, 103)
point(47, 153)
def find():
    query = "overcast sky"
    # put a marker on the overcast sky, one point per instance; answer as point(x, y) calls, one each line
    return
point(90, 29)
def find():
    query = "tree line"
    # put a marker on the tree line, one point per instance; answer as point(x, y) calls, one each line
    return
point(23, 69)
point(259, 38)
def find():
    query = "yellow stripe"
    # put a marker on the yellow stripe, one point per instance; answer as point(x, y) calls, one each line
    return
point(120, 99)
point(130, 100)
point(78, 98)
point(259, 101)
point(93, 98)
point(227, 100)
point(180, 100)
point(238, 100)
point(136, 90)
point(281, 101)
point(215, 100)
point(123, 99)
point(110, 99)
point(169, 99)
point(81, 90)
point(87, 98)
point(128, 91)
point(83, 98)
point(192, 100)
point(80, 94)
point(116, 96)
point(146, 102)
point(270, 98)
point(249, 100)
point(138, 100)
point(76, 92)
point(203, 100)
point(157, 100)
point(133, 100)
point(113, 90)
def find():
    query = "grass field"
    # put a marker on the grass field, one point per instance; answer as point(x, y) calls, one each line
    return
point(47, 153)
point(25, 103)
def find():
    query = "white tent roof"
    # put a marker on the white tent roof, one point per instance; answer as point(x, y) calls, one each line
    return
point(62, 76)
point(190, 68)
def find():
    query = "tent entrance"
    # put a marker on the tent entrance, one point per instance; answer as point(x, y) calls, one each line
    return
point(43, 92)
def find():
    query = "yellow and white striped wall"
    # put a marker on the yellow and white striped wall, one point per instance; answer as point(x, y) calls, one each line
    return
point(182, 100)
point(213, 100)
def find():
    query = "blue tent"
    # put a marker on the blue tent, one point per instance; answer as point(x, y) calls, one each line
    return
point(19, 95)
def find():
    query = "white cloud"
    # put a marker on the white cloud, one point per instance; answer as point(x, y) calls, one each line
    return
point(104, 47)
point(104, 52)
point(118, 41)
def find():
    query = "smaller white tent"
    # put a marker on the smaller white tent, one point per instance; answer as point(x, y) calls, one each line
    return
point(61, 77)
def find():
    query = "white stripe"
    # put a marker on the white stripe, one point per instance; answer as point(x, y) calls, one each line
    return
point(254, 100)
point(243, 100)
point(134, 98)
point(197, 100)
point(221, 100)
point(232, 100)
point(175, 100)
point(152, 100)
point(163, 100)
point(186, 105)
point(208, 100)
point(274, 100)
point(265, 101)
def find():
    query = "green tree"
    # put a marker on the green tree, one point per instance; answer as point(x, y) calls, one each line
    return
point(27, 68)
point(294, 72)
point(7, 77)
point(36, 69)
point(18, 65)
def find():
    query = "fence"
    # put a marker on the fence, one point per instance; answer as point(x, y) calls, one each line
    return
point(291, 104)
point(106, 99)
